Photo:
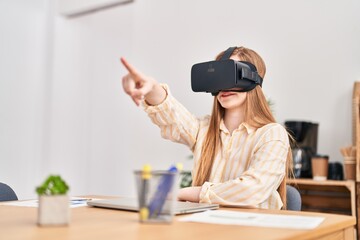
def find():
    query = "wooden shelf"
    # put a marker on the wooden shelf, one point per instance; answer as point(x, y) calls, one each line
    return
point(327, 196)
point(356, 125)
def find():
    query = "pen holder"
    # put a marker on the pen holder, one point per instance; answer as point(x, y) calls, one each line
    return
point(157, 194)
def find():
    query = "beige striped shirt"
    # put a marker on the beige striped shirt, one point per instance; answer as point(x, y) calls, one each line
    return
point(249, 166)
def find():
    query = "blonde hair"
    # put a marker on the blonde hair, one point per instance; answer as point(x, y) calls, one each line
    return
point(257, 114)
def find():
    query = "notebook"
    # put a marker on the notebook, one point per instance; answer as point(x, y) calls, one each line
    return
point(131, 204)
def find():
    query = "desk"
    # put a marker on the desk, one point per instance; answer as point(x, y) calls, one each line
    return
point(19, 223)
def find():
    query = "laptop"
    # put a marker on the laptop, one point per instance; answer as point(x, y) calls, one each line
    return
point(131, 204)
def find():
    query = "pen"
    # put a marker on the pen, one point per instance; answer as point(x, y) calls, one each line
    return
point(145, 176)
point(79, 201)
point(164, 187)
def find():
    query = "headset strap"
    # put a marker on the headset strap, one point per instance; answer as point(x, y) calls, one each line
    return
point(251, 75)
point(227, 53)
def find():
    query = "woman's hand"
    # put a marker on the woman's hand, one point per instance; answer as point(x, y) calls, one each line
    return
point(191, 194)
point(139, 86)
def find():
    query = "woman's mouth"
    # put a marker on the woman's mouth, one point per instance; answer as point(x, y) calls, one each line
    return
point(226, 94)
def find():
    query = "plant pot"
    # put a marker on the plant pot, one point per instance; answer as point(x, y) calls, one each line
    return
point(54, 210)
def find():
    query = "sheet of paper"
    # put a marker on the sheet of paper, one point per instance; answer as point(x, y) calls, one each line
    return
point(254, 219)
point(74, 202)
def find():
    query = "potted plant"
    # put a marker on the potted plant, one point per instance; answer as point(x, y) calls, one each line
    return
point(54, 206)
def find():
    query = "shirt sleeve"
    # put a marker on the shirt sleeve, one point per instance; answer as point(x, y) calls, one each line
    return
point(174, 120)
point(262, 178)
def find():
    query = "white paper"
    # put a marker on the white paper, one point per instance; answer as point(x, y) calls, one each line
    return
point(255, 219)
point(74, 202)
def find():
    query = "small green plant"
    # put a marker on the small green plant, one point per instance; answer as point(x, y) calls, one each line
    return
point(185, 176)
point(53, 185)
point(186, 179)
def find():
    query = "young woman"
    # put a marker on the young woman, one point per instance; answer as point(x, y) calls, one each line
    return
point(241, 155)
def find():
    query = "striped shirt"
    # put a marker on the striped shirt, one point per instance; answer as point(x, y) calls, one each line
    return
point(247, 169)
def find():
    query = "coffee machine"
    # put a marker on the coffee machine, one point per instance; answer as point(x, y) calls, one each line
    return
point(305, 135)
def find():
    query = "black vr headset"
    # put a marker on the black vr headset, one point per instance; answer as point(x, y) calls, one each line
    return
point(224, 74)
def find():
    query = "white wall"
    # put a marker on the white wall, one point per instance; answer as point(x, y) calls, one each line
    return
point(73, 118)
point(23, 83)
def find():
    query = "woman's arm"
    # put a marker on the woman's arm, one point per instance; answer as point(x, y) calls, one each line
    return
point(175, 121)
point(190, 194)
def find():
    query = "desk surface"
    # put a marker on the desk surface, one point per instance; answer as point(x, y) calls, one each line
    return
point(95, 223)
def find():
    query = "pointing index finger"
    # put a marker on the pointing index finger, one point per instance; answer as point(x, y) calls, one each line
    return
point(128, 66)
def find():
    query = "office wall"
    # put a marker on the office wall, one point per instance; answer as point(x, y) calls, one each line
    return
point(23, 94)
point(74, 119)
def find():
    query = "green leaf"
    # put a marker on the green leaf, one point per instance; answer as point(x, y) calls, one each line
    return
point(53, 185)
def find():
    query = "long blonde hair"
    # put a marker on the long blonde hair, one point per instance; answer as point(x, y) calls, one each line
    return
point(257, 114)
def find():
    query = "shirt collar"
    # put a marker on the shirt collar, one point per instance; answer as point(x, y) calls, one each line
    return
point(247, 127)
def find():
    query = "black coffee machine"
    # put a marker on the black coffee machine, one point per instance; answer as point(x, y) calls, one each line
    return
point(305, 134)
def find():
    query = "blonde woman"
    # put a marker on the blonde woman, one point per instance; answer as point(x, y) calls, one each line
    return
point(241, 155)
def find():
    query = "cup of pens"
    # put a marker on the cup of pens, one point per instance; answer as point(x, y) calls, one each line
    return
point(157, 194)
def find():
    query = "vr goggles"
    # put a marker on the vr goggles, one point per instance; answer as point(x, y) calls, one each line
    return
point(224, 74)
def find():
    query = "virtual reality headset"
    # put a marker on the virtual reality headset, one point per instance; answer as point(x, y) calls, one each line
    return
point(224, 74)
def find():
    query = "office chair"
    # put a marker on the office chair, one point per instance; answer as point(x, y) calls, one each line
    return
point(6, 193)
point(293, 198)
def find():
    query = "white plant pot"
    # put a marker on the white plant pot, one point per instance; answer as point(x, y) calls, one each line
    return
point(54, 210)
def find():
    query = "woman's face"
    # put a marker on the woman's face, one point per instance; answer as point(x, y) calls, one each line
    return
point(231, 99)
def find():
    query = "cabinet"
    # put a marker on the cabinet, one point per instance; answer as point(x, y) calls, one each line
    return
point(327, 196)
